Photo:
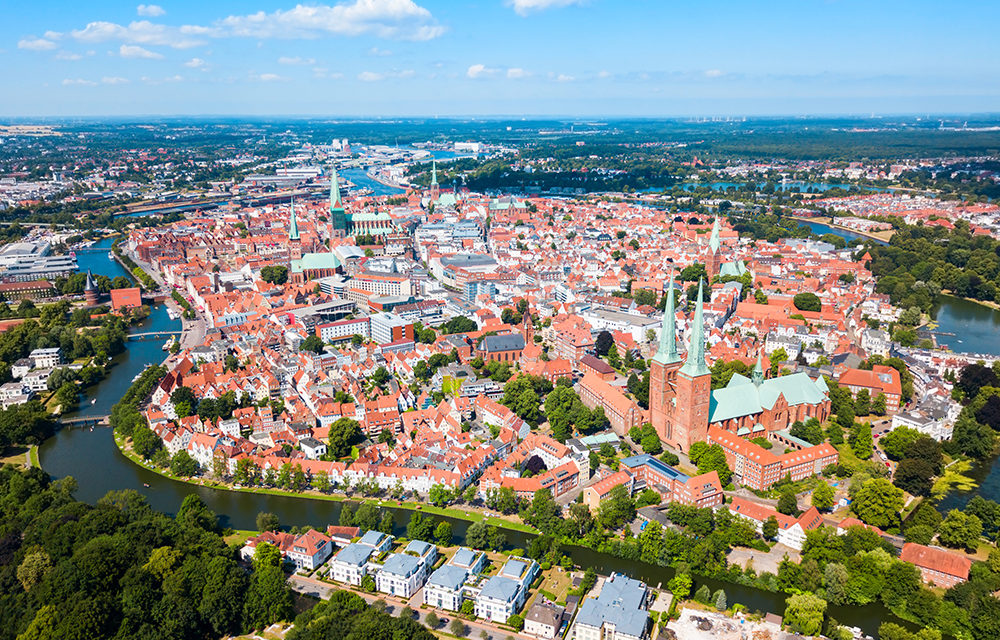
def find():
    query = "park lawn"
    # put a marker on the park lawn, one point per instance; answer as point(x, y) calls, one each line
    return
point(14, 455)
point(239, 536)
point(847, 456)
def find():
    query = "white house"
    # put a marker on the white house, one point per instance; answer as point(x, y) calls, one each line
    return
point(310, 550)
point(350, 565)
point(791, 531)
point(445, 589)
point(543, 620)
point(618, 613)
point(376, 540)
point(503, 595)
point(313, 448)
point(400, 576)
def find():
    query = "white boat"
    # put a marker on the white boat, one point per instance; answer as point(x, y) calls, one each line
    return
point(94, 401)
point(111, 256)
point(173, 315)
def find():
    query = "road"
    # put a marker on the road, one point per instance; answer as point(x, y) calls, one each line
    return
point(475, 629)
point(194, 330)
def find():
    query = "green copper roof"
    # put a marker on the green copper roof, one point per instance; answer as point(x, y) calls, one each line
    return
point(737, 268)
point(695, 365)
point(758, 371)
point(434, 172)
point(667, 353)
point(714, 242)
point(312, 261)
point(742, 398)
point(293, 227)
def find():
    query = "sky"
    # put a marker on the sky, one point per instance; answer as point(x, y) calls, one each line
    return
point(652, 58)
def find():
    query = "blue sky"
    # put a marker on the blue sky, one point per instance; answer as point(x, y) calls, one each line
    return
point(500, 57)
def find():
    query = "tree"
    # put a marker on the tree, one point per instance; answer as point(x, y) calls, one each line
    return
point(898, 440)
point(343, 434)
point(811, 431)
point(267, 522)
point(719, 599)
point(35, 566)
point(274, 274)
point(266, 555)
point(312, 343)
point(183, 465)
point(914, 476)
point(770, 528)
point(861, 440)
point(617, 509)
point(346, 516)
point(225, 588)
point(878, 503)
point(431, 620)
point(862, 403)
point(960, 530)
point(367, 517)
point(804, 612)
point(807, 301)
point(603, 343)
point(443, 533)
point(420, 528)
point(787, 502)
point(711, 458)
point(468, 608)
point(145, 442)
point(879, 404)
point(680, 585)
point(388, 523)
point(823, 496)
point(457, 627)
point(516, 621)
point(927, 449)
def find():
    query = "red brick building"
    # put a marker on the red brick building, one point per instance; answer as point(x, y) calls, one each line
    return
point(937, 566)
point(758, 468)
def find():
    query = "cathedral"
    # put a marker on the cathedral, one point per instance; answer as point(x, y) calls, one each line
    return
point(683, 405)
point(343, 224)
point(307, 266)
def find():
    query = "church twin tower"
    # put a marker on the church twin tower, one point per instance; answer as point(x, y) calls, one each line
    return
point(680, 392)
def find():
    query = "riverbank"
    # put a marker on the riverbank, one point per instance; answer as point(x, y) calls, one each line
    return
point(312, 494)
point(986, 303)
point(880, 236)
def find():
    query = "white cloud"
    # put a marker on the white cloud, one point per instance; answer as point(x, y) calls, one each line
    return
point(296, 60)
point(375, 51)
point(713, 73)
point(82, 83)
point(270, 77)
point(107, 80)
point(67, 55)
point(371, 76)
point(150, 10)
point(36, 44)
point(391, 19)
point(133, 51)
point(195, 63)
point(147, 33)
point(524, 7)
point(323, 72)
point(516, 73)
point(480, 71)
point(564, 78)
point(604, 74)
point(53, 35)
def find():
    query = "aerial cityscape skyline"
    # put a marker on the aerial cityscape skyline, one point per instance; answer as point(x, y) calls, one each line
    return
point(523, 57)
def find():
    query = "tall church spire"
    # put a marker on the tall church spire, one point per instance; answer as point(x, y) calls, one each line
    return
point(293, 227)
point(715, 242)
point(334, 190)
point(758, 371)
point(667, 353)
point(434, 172)
point(694, 364)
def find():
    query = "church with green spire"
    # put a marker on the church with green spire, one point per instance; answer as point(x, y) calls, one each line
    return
point(683, 404)
point(374, 222)
point(306, 266)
